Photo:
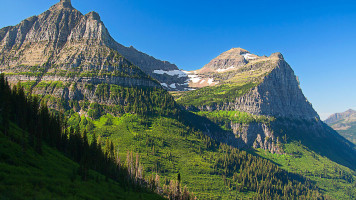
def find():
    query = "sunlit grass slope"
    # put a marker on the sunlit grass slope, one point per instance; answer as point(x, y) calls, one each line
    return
point(167, 147)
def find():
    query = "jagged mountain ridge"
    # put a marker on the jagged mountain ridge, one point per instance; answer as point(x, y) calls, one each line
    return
point(63, 44)
point(63, 36)
point(347, 116)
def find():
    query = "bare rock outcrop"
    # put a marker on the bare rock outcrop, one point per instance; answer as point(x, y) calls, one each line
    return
point(278, 95)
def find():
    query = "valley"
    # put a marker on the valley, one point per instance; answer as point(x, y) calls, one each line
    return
point(238, 128)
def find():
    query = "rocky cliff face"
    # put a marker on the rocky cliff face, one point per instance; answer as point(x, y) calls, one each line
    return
point(278, 95)
point(62, 44)
point(64, 37)
point(70, 61)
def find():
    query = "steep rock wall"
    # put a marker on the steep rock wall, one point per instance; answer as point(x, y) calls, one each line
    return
point(279, 95)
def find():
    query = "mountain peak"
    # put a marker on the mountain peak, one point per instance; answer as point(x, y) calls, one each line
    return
point(228, 60)
point(63, 4)
point(94, 15)
point(277, 55)
point(238, 50)
point(350, 111)
point(341, 117)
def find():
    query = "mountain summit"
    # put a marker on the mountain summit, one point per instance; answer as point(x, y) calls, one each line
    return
point(229, 60)
point(62, 5)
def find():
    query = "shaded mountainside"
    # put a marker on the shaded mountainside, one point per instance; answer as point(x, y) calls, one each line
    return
point(344, 123)
point(42, 158)
point(51, 175)
point(262, 87)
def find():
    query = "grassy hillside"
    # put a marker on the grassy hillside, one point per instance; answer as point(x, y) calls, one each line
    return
point(232, 84)
point(167, 147)
point(217, 95)
point(25, 174)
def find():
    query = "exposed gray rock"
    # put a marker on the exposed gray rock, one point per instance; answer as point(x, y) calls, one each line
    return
point(232, 58)
point(278, 95)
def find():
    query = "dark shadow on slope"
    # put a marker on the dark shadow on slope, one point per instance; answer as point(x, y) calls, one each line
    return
point(319, 138)
point(208, 127)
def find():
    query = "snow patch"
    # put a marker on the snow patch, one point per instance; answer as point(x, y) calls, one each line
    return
point(201, 82)
point(210, 81)
point(164, 84)
point(185, 83)
point(249, 56)
point(178, 73)
point(194, 78)
point(173, 85)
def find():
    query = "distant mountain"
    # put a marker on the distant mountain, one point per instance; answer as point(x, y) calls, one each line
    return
point(344, 123)
point(347, 117)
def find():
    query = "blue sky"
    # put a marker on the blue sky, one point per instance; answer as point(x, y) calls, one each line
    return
point(317, 38)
